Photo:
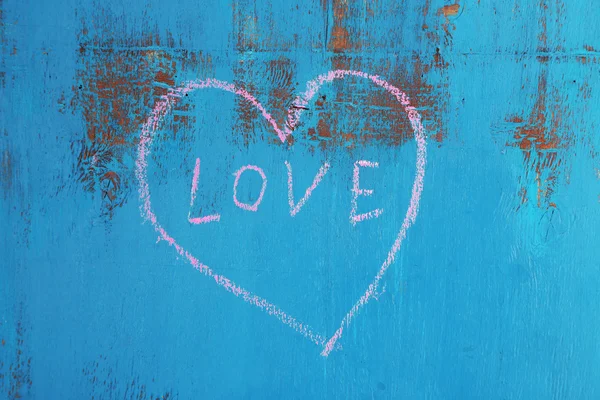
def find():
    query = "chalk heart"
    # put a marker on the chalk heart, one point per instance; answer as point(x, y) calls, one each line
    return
point(165, 104)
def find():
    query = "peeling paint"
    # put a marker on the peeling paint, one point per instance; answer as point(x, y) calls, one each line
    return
point(449, 11)
point(118, 82)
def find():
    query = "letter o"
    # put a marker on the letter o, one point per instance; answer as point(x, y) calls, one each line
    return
point(238, 173)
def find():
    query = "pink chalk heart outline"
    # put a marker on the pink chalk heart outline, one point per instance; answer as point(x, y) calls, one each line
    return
point(164, 105)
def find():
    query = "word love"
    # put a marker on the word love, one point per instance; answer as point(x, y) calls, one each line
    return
point(294, 207)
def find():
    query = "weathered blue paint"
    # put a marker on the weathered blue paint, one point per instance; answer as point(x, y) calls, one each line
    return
point(493, 295)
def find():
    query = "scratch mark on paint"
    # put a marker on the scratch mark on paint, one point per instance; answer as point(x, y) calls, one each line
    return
point(104, 383)
point(6, 170)
point(16, 383)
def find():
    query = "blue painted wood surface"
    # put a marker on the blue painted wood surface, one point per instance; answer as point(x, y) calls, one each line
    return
point(494, 293)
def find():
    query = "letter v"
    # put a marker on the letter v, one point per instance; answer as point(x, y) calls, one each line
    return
point(199, 220)
point(295, 208)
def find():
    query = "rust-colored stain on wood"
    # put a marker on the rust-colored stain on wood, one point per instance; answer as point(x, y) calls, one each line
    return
point(450, 10)
point(119, 81)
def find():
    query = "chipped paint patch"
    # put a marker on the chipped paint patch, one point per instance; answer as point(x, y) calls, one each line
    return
point(449, 10)
point(119, 80)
